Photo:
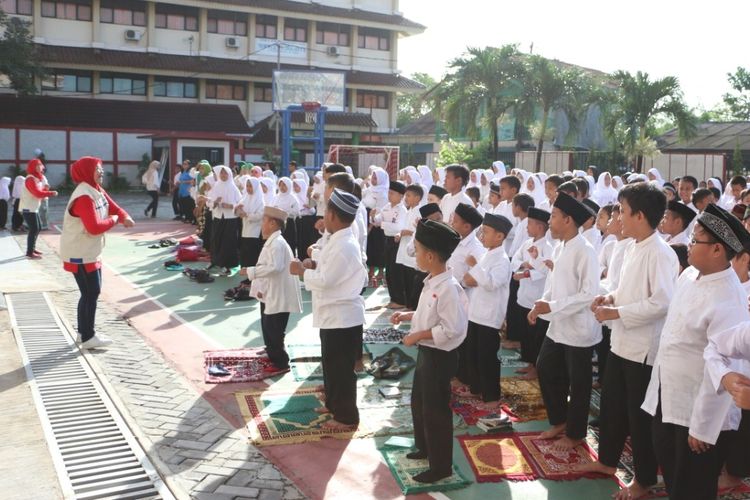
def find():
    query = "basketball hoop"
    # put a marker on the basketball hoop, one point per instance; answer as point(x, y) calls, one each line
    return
point(311, 111)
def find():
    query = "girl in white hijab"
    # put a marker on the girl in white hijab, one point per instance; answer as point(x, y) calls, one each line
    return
point(318, 192)
point(288, 202)
point(535, 188)
point(485, 178)
point(376, 196)
point(269, 190)
point(617, 182)
point(592, 185)
point(4, 200)
point(605, 194)
point(440, 173)
point(225, 226)
point(17, 218)
point(306, 235)
point(411, 176)
point(655, 175)
point(498, 168)
point(268, 174)
point(474, 178)
point(250, 211)
point(523, 176)
point(425, 175)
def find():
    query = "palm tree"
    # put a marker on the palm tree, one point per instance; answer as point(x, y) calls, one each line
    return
point(636, 104)
point(480, 88)
point(552, 87)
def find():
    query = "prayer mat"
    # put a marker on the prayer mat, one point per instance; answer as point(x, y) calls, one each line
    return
point(383, 335)
point(552, 464)
point(403, 470)
point(523, 398)
point(511, 359)
point(496, 457)
point(305, 365)
point(472, 409)
point(596, 402)
point(241, 365)
point(286, 417)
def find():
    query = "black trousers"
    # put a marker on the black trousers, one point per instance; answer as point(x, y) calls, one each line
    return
point(207, 234)
point(154, 204)
point(225, 242)
point(623, 392)
point(3, 213)
point(375, 247)
point(32, 221)
point(187, 204)
point(734, 448)
point(290, 234)
point(533, 336)
point(430, 406)
point(394, 276)
point(250, 251)
point(602, 352)
point(273, 327)
point(514, 321)
point(339, 348)
point(687, 475)
point(176, 203)
point(306, 234)
point(483, 342)
point(566, 371)
point(17, 219)
point(415, 283)
point(90, 286)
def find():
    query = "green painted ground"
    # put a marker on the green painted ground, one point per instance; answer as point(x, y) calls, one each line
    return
point(238, 324)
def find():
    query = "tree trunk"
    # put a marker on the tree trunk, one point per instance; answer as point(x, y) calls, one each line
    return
point(540, 144)
point(494, 139)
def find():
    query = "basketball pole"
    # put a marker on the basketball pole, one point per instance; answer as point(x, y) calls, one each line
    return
point(289, 139)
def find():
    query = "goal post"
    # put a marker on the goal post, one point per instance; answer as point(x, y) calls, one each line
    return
point(361, 157)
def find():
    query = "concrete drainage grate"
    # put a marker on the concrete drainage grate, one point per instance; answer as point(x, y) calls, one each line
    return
point(95, 454)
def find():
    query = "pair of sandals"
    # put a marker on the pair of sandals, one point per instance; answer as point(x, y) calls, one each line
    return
point(165, 243)
point(198, 275)
point(173, 265)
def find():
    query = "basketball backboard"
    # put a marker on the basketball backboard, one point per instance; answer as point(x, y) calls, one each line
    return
point(295, 87)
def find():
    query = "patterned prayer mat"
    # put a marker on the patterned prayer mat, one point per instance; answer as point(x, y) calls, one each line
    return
point(596, 402)
point(553, 464)
point(496, 457)
point(472, 409)
point(523, 398)
point(309, 368)
point(285, 417)
point(511, 359)
point(243, 365)
point(384, 335)
point(404, 469)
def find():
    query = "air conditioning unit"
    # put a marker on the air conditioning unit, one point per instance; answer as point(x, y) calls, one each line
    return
point(332, 51)
point(232, 42)
point(133, 35)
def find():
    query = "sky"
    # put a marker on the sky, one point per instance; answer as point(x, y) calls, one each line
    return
point(698, 42)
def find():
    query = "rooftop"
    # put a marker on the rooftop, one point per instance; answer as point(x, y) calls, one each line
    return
point(711, 136)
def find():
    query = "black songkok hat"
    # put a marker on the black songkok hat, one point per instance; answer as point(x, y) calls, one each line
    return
point(437, 236)
point(469, 214)
point(494, 188)
point(685, 212)
point(428, 209)
point(591, 205)
point(572, 208)
point(498, 222)
point(538, 214)
point(437, 191)
point(724, 226)
point(397, 186)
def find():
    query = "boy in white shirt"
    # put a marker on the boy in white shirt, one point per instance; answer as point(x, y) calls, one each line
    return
point(515, 324)
point(589, 229)
point(276, 289)
point(405, 263)
point(564, 363)
point(392, 219)
point(335, 279)
point(530, 272)
point(488, 279)
point(436, 194)
point(676, 223)
point(438, 327)
point(456, 178)
point(637, 309)
point(494, 198)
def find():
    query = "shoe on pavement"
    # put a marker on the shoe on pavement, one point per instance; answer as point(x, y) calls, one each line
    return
point(34, 256)
point(96, 343)
point(37, 252)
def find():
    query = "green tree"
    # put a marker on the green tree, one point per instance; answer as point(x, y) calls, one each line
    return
point(479, 89)
point(18, 56)
point(636, 106)
point(452, 152)
point(738, 101)
point(411, 106)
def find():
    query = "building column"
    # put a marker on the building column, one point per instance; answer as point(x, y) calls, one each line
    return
point(354, 45)
point(311, 36)
point(36, 18)
point(353, 101)
point(149, 87)
point(394, 51)
point(151, 27)
point(203, 32)
point(251, 30)
point(95, 15)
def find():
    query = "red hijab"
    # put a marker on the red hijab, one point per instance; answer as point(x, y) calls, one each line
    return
point(83, 170)
point(32, 168)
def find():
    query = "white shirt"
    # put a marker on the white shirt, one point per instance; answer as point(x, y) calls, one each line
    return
point(392, 219)
point(518, 235)
point(251, 223)
point(270, 277)
point(489, 299)
point(546, 205)
point(701, 307)
point(605, 252)
point(570, 289)
point(614, 266)
point(443, 309)
point(449, 203)
point(594, 236)
point(647, 280)
point(402, 257)
point(468, 246)
point(336, 282)
point(531, 289)
point(679, 239)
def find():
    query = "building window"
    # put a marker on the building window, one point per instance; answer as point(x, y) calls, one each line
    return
point(64, 80)
point(265, 26)
point(227, 23)
point(112, 83)
point(225, 90)
point(333, 34)
point(21, 7)
point(123, 12)
point(176, 18)
point(67, 10)
point(263, 92)
point(175, 87)
point(295, 30)
point(374, 39)
point(376, 100)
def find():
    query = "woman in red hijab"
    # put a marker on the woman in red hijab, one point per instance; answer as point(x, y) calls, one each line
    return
point(33, 192)
point(89, 214)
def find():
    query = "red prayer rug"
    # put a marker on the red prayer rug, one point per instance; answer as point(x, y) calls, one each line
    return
point(241, 365)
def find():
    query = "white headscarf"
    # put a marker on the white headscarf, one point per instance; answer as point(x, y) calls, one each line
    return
point(425, 175)
point(579, 173)
point(226, 190)
point(268, 174)
point(498, 168)
point(617, 182)
point(377, 194)
point(18, 186)
point(603, 194)
point(657, 176)
point(592, 185)
point(538, 189)
point(542, 176)
point(304, 201)
point(716, 183)
point(441, 176)
point(301, 173)
point(411, 176)
point(475, 174)
point(252, 203)
point(270, 195)
point(524, 180)
point(4, 191)
point(287, 201)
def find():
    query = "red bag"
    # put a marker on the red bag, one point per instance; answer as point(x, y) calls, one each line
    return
point(188, 240)
point(189, 253)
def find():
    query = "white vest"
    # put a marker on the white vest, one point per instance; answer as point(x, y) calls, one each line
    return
point(77, 245)
point(28, 201)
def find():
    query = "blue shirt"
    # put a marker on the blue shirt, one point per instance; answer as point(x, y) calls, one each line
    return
point(184, 191)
